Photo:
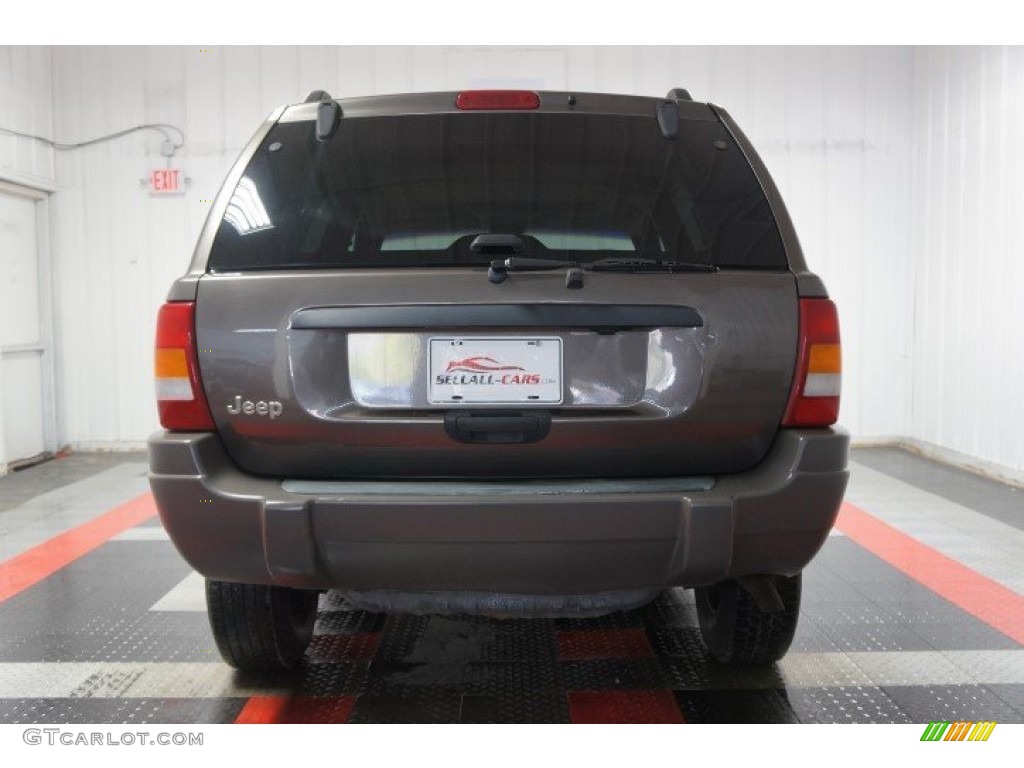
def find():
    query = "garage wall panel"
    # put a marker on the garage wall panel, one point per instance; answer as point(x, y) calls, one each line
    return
point(581, 67)
point(830, 123)
point(26, 106)
point(968, 365)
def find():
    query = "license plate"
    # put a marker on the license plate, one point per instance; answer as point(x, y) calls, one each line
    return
point(497, 371)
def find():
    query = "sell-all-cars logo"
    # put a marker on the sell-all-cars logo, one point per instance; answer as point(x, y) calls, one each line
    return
point(481, 370)
point(943, 730)
point(480, 364)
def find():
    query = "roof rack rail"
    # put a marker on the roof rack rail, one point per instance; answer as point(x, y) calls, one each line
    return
point(679, 94)
point(668, 118)
point(328, 114)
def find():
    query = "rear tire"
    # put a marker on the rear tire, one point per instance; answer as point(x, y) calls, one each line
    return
point(736, 631)
point(260, 628)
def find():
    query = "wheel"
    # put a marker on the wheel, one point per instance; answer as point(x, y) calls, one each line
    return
point(736, 631)
point(260, 628)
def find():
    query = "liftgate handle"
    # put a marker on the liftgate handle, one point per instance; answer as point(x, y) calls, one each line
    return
point(497, 426)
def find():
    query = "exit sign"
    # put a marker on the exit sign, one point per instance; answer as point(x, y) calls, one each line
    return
point(166, 181)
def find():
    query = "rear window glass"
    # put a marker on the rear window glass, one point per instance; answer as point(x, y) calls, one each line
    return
point(415, 190)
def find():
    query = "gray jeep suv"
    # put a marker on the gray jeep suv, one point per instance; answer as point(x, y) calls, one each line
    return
point(502, 352)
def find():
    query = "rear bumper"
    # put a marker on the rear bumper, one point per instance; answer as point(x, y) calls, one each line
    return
point(232, 526)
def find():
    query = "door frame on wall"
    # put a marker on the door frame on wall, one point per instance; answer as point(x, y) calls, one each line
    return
point(38, 191)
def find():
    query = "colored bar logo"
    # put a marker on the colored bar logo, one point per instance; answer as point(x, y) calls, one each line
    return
point(960, 730)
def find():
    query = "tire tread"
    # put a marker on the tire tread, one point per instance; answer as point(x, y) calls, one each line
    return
point(741, 633)
point(253, 626)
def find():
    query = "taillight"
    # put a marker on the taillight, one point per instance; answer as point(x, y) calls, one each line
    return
point(814, 399)
point(497, 100)
point(179, 392)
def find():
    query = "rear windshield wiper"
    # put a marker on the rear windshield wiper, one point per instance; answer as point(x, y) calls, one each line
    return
point(614, 264)
point(501, 267)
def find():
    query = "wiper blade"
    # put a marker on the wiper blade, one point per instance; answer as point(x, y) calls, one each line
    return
point(647, 265)
point(500, 268)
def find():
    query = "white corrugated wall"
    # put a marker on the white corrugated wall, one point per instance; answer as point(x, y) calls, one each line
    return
point(968, 192)
point(873, 147)
point(25, 106)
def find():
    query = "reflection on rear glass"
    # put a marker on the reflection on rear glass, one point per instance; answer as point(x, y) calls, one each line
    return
point(246, 212)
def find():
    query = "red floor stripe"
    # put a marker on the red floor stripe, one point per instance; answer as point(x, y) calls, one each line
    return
point(623, 707)
point(261, 710)
point(978, 595)
point(582, 645)
point(22, 571)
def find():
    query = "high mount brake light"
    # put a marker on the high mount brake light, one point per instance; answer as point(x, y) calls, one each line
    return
point(179, 391)
point(814, 399)
point(497, 100)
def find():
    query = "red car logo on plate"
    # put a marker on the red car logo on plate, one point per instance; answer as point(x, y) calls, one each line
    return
point(477, 364)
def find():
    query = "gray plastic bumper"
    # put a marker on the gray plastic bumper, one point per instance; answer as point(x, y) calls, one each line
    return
point(573, 537)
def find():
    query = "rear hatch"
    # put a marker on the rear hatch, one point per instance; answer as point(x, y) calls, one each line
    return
point(350, 326)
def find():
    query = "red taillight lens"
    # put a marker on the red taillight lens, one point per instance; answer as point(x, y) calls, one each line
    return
point(814, 399)
point(179, 392)
point(497, 100)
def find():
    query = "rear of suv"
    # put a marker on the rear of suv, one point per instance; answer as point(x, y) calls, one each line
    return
point(502, 352)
